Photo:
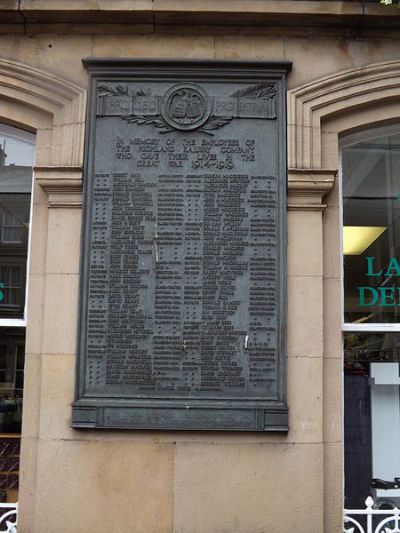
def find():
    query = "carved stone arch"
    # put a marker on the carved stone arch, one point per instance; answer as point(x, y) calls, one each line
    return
point(321, 110)
point(310, 104)
point(55, 109)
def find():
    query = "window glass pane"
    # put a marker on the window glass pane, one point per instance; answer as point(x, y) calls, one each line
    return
point(16, 161)
point(371, 417)
point(13, 227)
point(12, 358)
point(371, 230)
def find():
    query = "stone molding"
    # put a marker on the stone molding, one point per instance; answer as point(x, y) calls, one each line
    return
point(346, 91)
point(57, 100)
point(63, 185)
point(307, 188)
point(34, 16)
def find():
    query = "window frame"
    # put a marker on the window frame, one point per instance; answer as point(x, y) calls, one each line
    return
point(29, 138)
point(344, 142)
point(5, 226)
point(349, 140)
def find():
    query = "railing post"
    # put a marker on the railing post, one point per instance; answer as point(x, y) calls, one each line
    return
point(369, 502)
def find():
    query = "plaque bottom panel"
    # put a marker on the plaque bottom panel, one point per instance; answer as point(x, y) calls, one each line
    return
point(179, 418)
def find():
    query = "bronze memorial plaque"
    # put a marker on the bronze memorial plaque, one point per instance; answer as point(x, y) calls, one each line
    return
point(182, 311)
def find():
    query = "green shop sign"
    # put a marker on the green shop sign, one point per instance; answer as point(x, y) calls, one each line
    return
point(381, 296)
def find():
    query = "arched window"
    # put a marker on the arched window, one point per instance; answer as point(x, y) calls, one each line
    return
point(16, 163)
point(371, 273)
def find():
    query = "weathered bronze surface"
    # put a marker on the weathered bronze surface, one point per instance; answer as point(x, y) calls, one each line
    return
point(183, 291)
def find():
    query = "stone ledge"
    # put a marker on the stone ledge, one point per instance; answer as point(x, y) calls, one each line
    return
point(308, 187)
point(63, 185)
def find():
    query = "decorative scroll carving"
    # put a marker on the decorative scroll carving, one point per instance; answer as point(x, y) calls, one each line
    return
point(8, 517)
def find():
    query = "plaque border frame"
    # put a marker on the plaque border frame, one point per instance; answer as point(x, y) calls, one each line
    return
point(95, 412)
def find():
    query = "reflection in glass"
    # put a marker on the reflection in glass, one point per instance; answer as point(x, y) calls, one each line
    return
point(371, 202)
point(12, 358)
point(16, 161)
point(371, 417)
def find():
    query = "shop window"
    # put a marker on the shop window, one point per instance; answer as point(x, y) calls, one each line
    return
point(16, 162)
point(371, 273)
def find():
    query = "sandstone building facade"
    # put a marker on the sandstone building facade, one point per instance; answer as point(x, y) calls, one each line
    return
point(344, 83)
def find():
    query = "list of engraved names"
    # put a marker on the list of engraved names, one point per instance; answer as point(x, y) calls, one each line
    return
point(182, 298)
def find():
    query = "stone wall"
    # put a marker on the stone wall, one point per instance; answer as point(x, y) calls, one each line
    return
point(188, 482)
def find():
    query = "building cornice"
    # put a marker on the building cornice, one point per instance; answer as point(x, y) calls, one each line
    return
point(36, 16)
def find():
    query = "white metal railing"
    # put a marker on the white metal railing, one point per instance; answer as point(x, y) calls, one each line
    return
point(370, 520)
point(8, 517)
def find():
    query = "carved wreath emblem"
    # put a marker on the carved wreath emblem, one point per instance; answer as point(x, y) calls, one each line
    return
point(184, 107)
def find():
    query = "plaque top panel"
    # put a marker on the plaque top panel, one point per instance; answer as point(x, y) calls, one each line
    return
point(183, 271)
